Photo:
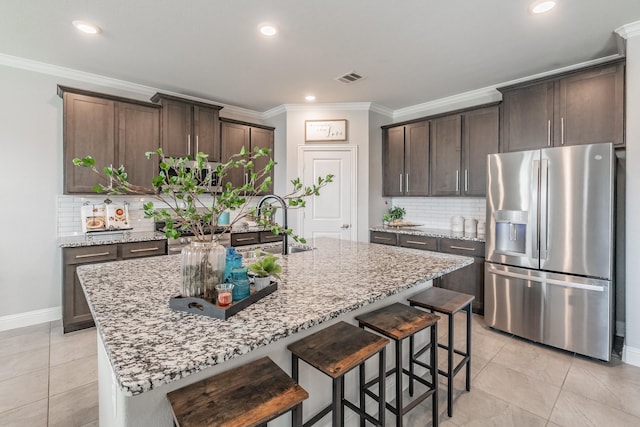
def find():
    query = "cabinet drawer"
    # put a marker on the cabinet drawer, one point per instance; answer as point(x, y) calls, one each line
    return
point(418, 242)
point(462, 247)
point(268, 237)
point(143, 249)
point(384, 238)
point(90, 254)
point(240, 239)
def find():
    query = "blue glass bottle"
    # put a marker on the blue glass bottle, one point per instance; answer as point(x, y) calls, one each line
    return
point(240, 282)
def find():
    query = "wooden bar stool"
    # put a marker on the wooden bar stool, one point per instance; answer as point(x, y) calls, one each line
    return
point(335, 351)
point(398, 321)
point(249, 395)
point(449, 302)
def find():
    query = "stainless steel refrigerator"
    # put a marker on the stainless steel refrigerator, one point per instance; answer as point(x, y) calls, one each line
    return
point(550, 245)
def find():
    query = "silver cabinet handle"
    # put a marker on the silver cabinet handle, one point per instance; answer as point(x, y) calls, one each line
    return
point(407, 175)
point(188, 144)
point(245, 239)
point(466, 180)
point(246, 178)
point(401, 183)
point(416, 242)
point(197, 144)
point(382, 238)
point(145, 250)
point(549, 133)
point(92, 255)
point(463, 248)
point(562, 130)
point(457, 179)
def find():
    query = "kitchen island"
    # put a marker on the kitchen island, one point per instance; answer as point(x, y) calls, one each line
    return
point(145, 349)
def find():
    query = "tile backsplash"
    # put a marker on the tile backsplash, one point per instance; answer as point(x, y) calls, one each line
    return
point(436, 212)
point(69, 219)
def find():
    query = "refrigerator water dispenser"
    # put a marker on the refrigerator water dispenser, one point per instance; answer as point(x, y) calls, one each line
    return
point(511, 231)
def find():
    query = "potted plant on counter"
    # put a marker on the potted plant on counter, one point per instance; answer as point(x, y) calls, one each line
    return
point(394, 216)
point(263, 269)
point(184, 204)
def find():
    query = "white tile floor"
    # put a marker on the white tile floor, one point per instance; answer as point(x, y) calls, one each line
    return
point(50, 379)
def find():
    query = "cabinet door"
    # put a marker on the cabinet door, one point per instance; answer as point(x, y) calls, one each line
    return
point(446, 143)
point(468, 280)
point(480, 138)
point(234, 137)
point(591, 107)
point(416, 159)
point(207, 132)
point(527, 117)
point(89, 129)
point(138, 132)
point(393, 161)
point(426, 243)
point(262, 138)
point(176, 128)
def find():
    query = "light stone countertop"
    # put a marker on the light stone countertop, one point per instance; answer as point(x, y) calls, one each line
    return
point(109, 238)
point(431, 232)
point(149, 344)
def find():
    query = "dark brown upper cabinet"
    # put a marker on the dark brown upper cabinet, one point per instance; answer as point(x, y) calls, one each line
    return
point(405, 160)
point(189, 127)
point(446, 144)
point(583, 107)
point(480, 137)
point(235, 135)
point(460, 144)
point(114, 131)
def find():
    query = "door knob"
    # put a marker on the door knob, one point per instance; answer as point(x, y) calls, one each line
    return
point(345, 226)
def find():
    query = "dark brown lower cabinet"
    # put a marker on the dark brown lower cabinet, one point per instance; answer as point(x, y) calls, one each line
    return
point(468, 280)
point(75, 310)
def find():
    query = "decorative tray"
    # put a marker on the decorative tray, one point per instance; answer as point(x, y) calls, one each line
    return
point(207, 308)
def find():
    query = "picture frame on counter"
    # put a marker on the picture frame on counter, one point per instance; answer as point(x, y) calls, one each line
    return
point(325, 130)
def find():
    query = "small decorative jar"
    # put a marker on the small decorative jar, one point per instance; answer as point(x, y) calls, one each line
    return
point(240, 282)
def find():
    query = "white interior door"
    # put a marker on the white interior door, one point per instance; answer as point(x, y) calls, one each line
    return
point(334, 212)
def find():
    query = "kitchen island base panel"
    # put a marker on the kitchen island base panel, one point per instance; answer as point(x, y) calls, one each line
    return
point(152, 409)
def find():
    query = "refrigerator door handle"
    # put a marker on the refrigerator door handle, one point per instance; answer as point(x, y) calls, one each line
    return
point(546, 280)
point(535, 240)
point(544, 209)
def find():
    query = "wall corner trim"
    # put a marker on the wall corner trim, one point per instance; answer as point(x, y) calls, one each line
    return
point(629, 30)
point(29, 318)
point(631, 355)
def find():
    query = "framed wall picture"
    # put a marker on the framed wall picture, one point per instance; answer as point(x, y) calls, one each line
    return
point(325, 130)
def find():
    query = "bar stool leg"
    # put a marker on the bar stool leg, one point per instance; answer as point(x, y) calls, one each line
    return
point(450, 369)
point(336, 413)
point(362, 394)
point(434, 373)
point(411, 366)
point(468, 310)
point(382, 380)
point(399, 403)
point(296, 416)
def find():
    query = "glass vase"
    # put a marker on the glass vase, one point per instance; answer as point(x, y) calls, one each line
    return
point(202, 269)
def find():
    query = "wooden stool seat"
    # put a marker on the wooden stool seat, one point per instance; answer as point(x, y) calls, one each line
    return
point(334, 351)
point(399, 321)
point(249, 395)
point(449, 302)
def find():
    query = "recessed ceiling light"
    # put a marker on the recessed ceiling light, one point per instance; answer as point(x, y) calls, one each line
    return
point(86, 27)
point(542, 6)
point(268, 30)
point(310, 97)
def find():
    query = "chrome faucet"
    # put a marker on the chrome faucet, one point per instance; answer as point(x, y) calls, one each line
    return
point(283, 204)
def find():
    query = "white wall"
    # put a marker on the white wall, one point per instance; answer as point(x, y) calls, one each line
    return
point(632, 335)
point(357, 117)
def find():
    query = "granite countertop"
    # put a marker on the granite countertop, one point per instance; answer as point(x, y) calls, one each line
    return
point(109, 238)
point(149, 344)
point(431, 232)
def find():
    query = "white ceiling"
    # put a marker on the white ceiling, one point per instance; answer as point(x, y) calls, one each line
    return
point(411, 51)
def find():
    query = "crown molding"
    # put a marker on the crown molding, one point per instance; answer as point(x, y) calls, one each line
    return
point(466, 99)
point(96, 79)
point(275, 111)
point(356, 106)
point(380, 109)
point(629, 30)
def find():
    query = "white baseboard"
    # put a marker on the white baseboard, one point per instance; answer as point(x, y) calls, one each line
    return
point(631, 355)
point(30, 318)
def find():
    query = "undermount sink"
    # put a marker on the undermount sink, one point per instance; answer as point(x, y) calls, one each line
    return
point(300, 248)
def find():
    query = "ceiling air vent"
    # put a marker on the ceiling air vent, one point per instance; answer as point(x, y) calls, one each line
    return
point(349, 78)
